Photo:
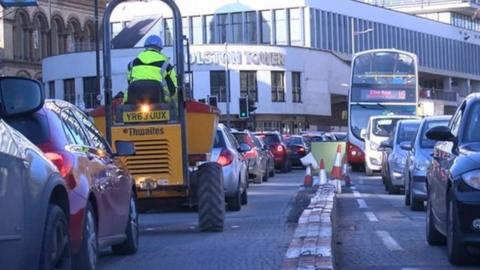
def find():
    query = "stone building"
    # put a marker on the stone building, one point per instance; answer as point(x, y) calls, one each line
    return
point(27, 35)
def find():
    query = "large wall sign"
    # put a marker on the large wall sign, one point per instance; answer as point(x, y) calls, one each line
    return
point(18, 3)
point(255, 58)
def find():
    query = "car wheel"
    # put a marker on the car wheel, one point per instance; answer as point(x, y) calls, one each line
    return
point(130, 245)
point(88, 255)
point(368, 172)
point(407, 193)
point(244, 197)
point(272, 171)
point(234, 203)
point(356, 167)
point(265, 175)
point(392, 189)
point(285, 167)
point(434, 237)
point(456, 249)
point(415, 204)
point(56, 241)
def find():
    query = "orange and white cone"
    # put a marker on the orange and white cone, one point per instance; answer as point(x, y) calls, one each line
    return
point(345, 175)
point(337, 165)
point(308, 180)
point(322, 174)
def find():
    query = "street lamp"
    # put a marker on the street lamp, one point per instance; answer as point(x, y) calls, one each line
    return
point(354, 33)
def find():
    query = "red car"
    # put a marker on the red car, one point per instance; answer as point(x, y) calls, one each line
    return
point(280, 151)
point(100, 190)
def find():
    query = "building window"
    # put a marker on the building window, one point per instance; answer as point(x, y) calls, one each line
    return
point(51, 89)
point(21, 36)
point(296, 87)
point(69, 90)
point(251, 27)
point(210, 29)
point(248, 84)
point(237, 27)
point(40, 38)
point(280, 27)
point(217, 85)
point(224, 29)
point(278, 86)
point(186, 27)
point(266, 17)
point(74, 36)
point(89, 36)
point(295, 27)
point(168, 32)
point(57, 36)
point(116, 27)
point(197, 34)
point(90, 92)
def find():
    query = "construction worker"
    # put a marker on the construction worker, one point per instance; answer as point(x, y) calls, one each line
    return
point(151, 78)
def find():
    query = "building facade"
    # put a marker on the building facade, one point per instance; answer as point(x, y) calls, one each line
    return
point(291, 56)
point(54, 27)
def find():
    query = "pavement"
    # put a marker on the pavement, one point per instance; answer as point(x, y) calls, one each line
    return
point(257, 237)
point(377, 231)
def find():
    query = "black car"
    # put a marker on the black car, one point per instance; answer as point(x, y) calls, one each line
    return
point(298, 148)
point(33, 196)
point(453, 183)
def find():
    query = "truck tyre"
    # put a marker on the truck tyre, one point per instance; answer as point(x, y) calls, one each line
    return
point(56, 241)
point(211, 197)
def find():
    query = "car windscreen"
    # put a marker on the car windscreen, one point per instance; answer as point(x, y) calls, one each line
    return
point(244, 138)
point(219, 142)
point(407, 132)
point(270, 138)
point(34, 127)
point(383, 127)
point(425, 142)
point(293, 140)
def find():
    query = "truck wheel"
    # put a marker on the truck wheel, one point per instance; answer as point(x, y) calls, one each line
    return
point(130, 245)
point(211, 197)
point(56, 242)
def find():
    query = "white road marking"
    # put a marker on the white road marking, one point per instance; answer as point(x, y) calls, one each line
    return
point(410, 268)
point(356, 194)
point(362, 203)
point(353, 188)
point(371, 216)
point(388, 241)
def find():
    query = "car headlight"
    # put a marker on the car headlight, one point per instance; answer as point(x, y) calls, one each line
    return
point(472, 179)
point(374, 146)
point(400, 160)
point(421, 165)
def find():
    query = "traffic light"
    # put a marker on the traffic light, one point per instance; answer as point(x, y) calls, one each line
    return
point(213, 101)
point(244, 106)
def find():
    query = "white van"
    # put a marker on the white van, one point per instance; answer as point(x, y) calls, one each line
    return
point(379, 129)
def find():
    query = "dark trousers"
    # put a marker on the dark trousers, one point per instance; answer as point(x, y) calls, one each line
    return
point(145, 91)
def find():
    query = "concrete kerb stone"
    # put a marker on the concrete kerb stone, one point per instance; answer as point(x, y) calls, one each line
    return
point(313, 241)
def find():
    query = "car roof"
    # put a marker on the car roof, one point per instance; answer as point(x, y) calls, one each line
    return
point(410, 121)
point(375, 117)
point(438, 117)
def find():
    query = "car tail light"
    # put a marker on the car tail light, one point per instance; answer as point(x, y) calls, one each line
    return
point(64, 166)
point(279, 148)
point(301, 150)
point(225, 158)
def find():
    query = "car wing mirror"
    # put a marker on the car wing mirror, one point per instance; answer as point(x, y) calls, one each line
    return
point(440, 133)
point(124, 148)
point(363, 133)
point(407, 146)
point(20, 96)
point(244, 148)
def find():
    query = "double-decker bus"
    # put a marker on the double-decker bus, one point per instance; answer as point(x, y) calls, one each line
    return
point(384, 82)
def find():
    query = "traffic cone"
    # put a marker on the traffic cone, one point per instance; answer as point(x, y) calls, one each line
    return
point(322, 174)
point(308, 180)
point(337, 166)
point(345, 175)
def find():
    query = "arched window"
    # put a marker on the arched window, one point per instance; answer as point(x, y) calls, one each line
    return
point(40, 41)
point(74, 36)
point(21, 36)
point(57, 36)
point(24, 74)
point(89, 36)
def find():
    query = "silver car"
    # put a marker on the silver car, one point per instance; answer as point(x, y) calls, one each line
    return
point(405, 131)
point(418, 160)
point(228, 153)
